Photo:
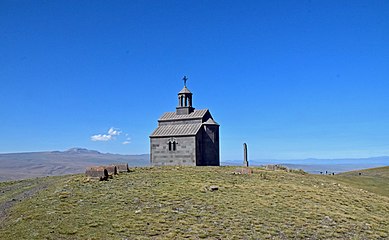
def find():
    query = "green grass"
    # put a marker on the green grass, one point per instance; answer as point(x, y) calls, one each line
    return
point(175, 203)
point(12, 189)
point(374, 180)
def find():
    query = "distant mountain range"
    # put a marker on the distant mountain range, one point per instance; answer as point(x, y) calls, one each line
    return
point(14, 166)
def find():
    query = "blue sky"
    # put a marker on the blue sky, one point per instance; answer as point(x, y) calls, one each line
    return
point(293, 79)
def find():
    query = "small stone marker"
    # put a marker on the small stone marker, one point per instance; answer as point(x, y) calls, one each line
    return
point(245, 159)
point(242, 171)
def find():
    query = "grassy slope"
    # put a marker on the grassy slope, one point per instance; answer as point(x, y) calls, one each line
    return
point(374, 179)
point(174, 203)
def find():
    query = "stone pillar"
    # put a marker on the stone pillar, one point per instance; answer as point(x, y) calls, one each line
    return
point(245, 159)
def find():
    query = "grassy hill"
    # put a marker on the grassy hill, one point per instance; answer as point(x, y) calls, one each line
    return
point(176, 202)
point(373, 179)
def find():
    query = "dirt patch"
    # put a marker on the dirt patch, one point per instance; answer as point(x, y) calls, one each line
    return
point(30, 188)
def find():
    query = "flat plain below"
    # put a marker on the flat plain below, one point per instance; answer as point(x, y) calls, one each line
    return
point(177, 203)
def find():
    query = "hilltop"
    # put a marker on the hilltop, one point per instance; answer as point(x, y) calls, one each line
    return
point(177, 202)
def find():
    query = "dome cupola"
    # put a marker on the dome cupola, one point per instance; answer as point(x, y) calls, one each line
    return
point(184, 100)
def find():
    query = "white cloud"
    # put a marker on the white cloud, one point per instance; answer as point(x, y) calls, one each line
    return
point(114, 132)
point(106, 137)
point(128, 141)
point(101, 137)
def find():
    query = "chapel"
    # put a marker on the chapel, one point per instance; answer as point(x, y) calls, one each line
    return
point(186, 136)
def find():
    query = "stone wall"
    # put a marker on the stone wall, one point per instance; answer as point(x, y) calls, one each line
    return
point(210, 145)
point(184, 154)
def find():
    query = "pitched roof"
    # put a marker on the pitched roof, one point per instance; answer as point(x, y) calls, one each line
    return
point(210, 121)
point(196, 114)
point(176, 130)
point(184, 90)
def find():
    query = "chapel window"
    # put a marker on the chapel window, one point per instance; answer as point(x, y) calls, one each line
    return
point(172, 145)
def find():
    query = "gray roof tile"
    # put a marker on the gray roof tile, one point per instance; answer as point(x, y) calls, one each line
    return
point(177, 130)
point(193, 115)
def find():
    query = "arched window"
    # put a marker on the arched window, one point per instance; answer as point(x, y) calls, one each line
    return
point(172, 145)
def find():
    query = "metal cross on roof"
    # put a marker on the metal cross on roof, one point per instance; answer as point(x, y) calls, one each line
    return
point(185, 79)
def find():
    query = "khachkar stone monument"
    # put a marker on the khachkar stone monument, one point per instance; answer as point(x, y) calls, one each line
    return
point(186, 136)
point(245, 159)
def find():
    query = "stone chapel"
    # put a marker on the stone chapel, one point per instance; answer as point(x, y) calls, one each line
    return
point(186, 136)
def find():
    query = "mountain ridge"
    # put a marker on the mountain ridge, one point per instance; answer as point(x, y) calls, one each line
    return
point(15, 166)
